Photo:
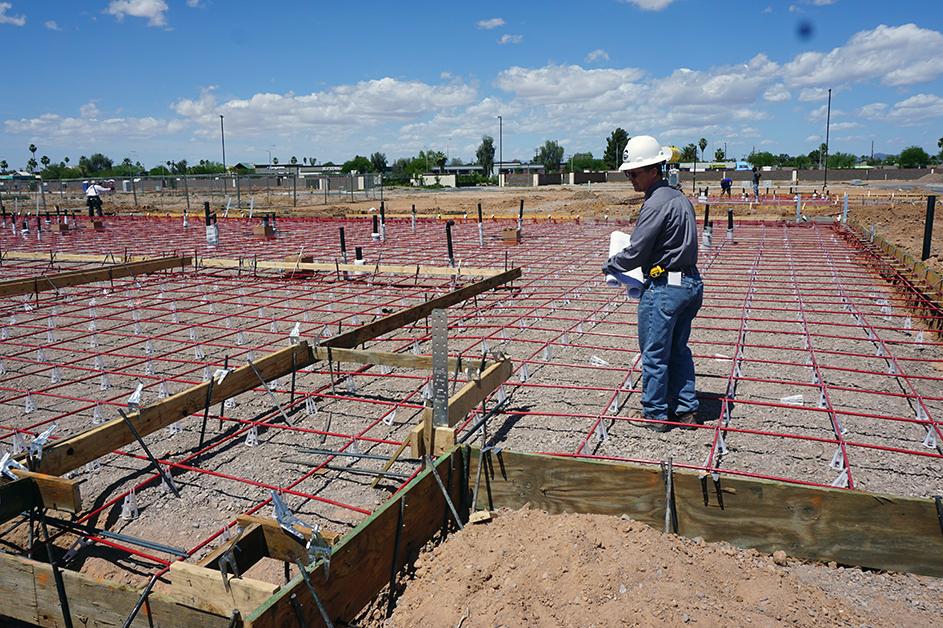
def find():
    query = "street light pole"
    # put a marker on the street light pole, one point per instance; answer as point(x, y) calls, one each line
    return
point(500, 147)
point(828, 124)
point(222, 137)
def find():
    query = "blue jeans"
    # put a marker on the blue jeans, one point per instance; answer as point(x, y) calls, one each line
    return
point(665, 314)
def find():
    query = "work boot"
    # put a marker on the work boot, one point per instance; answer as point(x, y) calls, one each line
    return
point(661, 428)
point(688, 420)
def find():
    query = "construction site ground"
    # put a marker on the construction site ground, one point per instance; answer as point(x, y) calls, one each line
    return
point(812, 370)
point(529, 568)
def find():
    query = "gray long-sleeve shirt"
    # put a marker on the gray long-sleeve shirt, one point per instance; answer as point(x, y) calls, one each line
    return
point(665, 234)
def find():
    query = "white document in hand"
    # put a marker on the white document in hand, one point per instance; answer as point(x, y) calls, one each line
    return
point(634, 279)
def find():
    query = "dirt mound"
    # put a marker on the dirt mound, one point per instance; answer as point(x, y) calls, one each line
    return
point(582, 195)
point(530, 568)
point(936, 177)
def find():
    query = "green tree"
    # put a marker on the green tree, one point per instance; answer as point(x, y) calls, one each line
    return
point(815, 158)
point(378, 162)
point(689, 153)
point(358, 164)
point(274, 161)
point(719, 155)
point(914, 157)
point(762, 158)
point(433, 159)
point(95, 164)
point(32, 150)
point(3, 165)
point(293, 160)
point(840, 160)
point(485, 155)
point(586, 161)
point(456, 161)
point(939, 143)
point(550, 155)
point(44, 160)
point(702, 144)
point(31, 164)
point(615, 145)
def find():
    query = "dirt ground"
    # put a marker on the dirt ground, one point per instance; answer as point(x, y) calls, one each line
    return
point(530, 568)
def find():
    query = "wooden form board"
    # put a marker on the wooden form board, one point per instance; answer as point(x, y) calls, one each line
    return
point(55, 281)
point(397, 360)
point(393, 269)
point(203, 588)
point(56, 492)
point(71, 453)
point(28, 594)
point(849, 527)
point(394, 321)
point(362, 560)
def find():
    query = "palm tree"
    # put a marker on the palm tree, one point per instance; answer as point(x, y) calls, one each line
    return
point(44, 161)
point(294, 160)
point(3, 165)
point(702, 144)
point(274, 161)
point(31, 164)
point(939, 143)
point(33, 149)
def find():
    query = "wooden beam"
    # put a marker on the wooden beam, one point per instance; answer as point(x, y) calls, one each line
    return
point(425, 438)
point(55, 256)
point(28, 594)
point(247, 550)
point(56, 492)
point(17, 496)
point(848, 527)
point(393, 269)
point(71, 453)
point(361, 561)
point(203, 588)
point(397, 360)
point(412, 314)
point(55, 281)
point(281, 545)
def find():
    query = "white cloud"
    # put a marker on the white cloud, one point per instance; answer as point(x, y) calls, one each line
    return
point(728, 85)
point(153, 10)
point(510, 39)
point(90, 126)
point(777, 93)
point(487, 25)
point(51, 25)
point(597, 55)
point(822, 3)
point(650, 5)
point(193, 4)
point(564, 83)
point(343, 106)
point(821, 113)
point(895, 55)
point(914, 110)
point(812, 94)
point(841, 126)
point(874, 110)
point(14, 20)
point(767, 10)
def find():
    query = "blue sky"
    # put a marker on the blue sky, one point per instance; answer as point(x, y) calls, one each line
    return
point(149, 78)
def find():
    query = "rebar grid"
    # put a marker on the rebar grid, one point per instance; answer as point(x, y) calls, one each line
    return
point(811, 369)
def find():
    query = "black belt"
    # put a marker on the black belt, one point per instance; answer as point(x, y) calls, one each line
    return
point(688, 271)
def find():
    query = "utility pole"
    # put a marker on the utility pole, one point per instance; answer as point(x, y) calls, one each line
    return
point(222, 137)
point(500, 147)
point(828, 123)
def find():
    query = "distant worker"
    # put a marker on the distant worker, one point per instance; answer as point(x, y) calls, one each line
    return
point(756, 183)
point(725, 184)
point(664, 245)
point(93, 198)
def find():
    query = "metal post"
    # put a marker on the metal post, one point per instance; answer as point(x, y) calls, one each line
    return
point(928, 227)
point(42, 192)
point(481, 228)
point(222, 137)
point(798, 207)
point(844, 210)
point(294, 189)
point(828, 122)
point(500, 147)
point(238, 193)
point(448, 242)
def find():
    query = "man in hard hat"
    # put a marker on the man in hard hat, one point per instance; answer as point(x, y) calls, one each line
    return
point(93, 198)
point(664, 246)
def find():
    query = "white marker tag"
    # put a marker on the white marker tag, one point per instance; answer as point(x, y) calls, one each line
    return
point(674, 279)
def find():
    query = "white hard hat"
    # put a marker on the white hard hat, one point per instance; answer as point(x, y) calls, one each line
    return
point(643, 150)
